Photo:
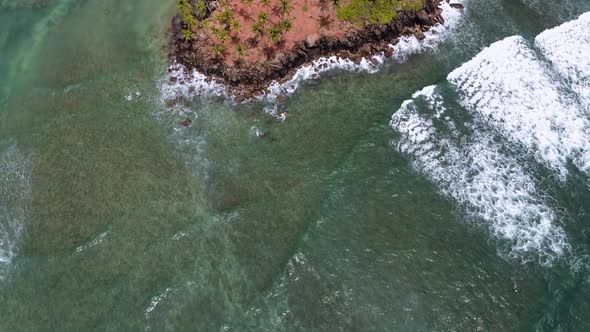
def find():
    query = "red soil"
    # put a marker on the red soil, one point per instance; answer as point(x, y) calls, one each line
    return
point(310, 18)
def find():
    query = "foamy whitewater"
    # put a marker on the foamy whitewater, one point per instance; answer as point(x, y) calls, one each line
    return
point(490, 185)
point(509, 91)
point(196, 84)
point(15, 192)
point(567, 47)
point(507, 86)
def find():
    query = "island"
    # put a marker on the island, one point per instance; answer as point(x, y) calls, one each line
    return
point(248, 44)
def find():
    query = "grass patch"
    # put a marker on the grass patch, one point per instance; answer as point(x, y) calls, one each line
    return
point(376, 11)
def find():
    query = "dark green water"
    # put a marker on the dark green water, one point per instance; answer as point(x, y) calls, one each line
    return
point(115, 217)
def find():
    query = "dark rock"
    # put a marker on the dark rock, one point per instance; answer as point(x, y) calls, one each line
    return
point(293, 57)
point(357, 58)
point(419, 34)
point(315, 53)
point(173, 79)
point(457, 6)
point(423, 17)
point(388, 52)
point(187, 122)
point(301, 52)
point(312, 40)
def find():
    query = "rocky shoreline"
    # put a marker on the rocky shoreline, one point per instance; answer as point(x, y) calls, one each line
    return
point(247, 81)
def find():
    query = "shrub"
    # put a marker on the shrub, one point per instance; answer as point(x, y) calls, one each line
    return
point(262, 17)
point(275, 34)
point(286, 24)
point(257, 28)
point(376, 11)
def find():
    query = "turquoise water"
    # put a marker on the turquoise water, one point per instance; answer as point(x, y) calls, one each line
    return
point(116, 217)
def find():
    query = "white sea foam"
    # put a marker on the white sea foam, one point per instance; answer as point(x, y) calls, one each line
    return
point(488, 184)
point(96, 241)
point(507, 86)
point(193, 83)
point(567, 47)
point(15, 192)
point(410, 45)
point(182, 82)
point(407, 46)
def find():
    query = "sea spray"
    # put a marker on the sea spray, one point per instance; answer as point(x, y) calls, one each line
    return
point(473, 171)
point(567, 47)
point(507, 86)
point(15, 193)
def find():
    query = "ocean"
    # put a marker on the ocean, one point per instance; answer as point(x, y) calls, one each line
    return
point(445, 189)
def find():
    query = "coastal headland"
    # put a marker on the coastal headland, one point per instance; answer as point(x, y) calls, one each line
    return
point(248, 44)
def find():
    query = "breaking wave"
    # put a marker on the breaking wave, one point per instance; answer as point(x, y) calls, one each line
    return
point(507, 86)
point(474, 172)
point(567, 47)
point(15, 192)
point(514, 100)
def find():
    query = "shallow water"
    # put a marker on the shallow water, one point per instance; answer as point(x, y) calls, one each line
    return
point(114, 216)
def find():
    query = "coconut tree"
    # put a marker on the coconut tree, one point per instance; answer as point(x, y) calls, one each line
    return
point(217, 50)
point(275, 34)
point(240, 50)
point(222, 35)
point(265, 3)
point(257, 28)
point(200, 7)
point(235, 26)
point(286, 24)
point(262, 17)
point(284, 6)
point(225, 16)
point(187, 34)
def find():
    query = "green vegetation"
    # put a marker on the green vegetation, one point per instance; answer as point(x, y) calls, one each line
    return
point(200, 6)
point(257, 28)
point(240, 50)
point(223, 36)
point(284, 6)
point(186, 10)
point(286, 24)
point(376, 11)
point(235, 26)
point(275, 34)
point(262, 17)
point(265, 3)
point(226, 16)
point(217, 50)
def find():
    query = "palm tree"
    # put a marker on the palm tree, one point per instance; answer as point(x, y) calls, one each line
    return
point(275, 34)
point(222, 35)
point(240, 50)
point(257, 28)
point(187, 34)
point(217, 50)
point(265, 3)
point(286, 24)
point(285, 6)
point(235, 26)
point(262, 17)
point(225, 17)
point(200, 6)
